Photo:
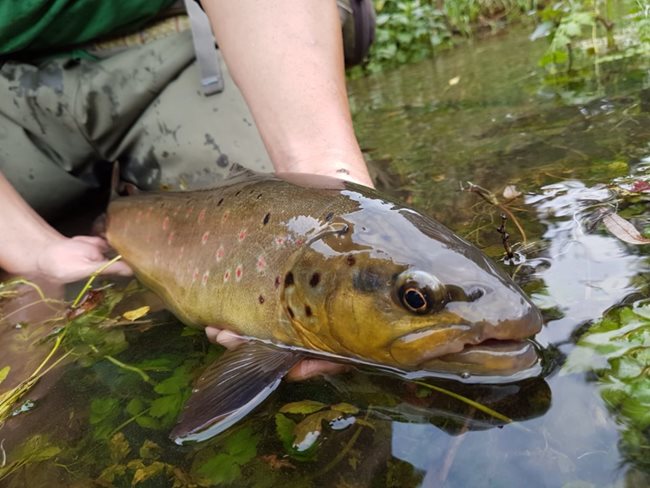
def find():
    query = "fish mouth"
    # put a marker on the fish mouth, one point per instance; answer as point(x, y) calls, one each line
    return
point(490, 357)
point(460, 349)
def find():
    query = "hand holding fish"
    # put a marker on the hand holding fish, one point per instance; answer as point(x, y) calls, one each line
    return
point(65, 260)
point(305, 369)
point(31, 247)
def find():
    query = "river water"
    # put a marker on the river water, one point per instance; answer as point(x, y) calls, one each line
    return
point(481, 114)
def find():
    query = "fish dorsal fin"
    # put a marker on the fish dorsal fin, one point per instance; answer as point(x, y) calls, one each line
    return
point(230, 388)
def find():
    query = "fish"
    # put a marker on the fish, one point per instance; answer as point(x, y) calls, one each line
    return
point(319, 267)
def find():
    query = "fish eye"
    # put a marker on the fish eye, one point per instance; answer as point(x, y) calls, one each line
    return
point(420, 292)
point(415, 300)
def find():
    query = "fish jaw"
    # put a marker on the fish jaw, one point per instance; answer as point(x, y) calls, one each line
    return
point(480, 348)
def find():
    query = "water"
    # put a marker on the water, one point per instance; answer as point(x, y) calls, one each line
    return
point(479, 114)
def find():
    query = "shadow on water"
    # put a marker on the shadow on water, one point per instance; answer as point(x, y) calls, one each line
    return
point(101, 418)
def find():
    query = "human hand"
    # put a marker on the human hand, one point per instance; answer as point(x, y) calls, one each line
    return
point(62, 259)
point(305, 369)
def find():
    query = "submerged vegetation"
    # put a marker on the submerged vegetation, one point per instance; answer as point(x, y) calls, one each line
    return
point(124, 392)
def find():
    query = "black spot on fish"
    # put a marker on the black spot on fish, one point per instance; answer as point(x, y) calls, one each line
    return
point(351, 260)
point(315, 279)
point(288, 279)
point(219, 202)
point(291, 314)
point(222, 161)
point(237, 194)
point(259, 196)
point(260, 299)
point(266, 218)
point(367, 280)
point(343, 171)
point(277, 281)
point(329, 216)
point(308, 311)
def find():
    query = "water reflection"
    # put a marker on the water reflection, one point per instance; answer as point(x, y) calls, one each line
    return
point(590, 271)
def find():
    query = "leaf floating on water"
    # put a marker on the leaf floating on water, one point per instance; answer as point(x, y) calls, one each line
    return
point(345, 408)
point(510, 192)
point(624, 230)
point(303, 407)
point(133, 315)
point(307, 432)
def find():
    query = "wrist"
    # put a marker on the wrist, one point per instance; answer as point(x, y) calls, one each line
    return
point(349, 167)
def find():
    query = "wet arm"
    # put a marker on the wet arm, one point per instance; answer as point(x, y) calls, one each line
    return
point(286, 56)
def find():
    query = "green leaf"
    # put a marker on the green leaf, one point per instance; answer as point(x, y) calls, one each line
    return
point(345, 408)
point(135, 407)
point(221, 468)
point(165, 405)
point(148, 422)
point(304, 407)
point(242, 445)
point(102, 408)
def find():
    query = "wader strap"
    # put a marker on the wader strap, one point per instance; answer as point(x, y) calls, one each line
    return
point(206, 52)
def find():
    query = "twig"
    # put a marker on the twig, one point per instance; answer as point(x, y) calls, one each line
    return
point(468, 401)
point(346, 449)
point(92, 278)
point(489, 197)
point(125, 366)
point(505, 236)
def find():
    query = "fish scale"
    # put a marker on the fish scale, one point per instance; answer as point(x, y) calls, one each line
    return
point(233, 217)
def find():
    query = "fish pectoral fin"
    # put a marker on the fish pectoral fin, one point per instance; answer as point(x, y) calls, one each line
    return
point(230, 388)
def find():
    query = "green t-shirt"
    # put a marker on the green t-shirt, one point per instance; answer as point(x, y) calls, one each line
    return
point(48, 25)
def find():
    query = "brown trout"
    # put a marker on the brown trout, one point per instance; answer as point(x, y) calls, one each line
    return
point(331, 270)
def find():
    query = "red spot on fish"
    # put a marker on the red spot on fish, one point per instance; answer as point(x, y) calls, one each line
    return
point(261, 263)
point(239, 271)
point(165, 225)
point(300, 242)
point(279, 241)
point(220, 253)
point(170, 238)
point(201, 216)
point(204, 239)
point(204, 278)
point(225, 216)
point(242, 235)
point(189, 212)
point(277, 281)
point(149, 212)
point(226, 276)
point(195, 275)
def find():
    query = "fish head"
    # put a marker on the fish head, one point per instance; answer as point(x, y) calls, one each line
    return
point(389, 285)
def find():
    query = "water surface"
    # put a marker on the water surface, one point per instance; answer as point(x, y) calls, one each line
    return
point(479, 114)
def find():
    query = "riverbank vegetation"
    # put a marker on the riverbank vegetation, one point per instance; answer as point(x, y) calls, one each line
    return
point(579, 32)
